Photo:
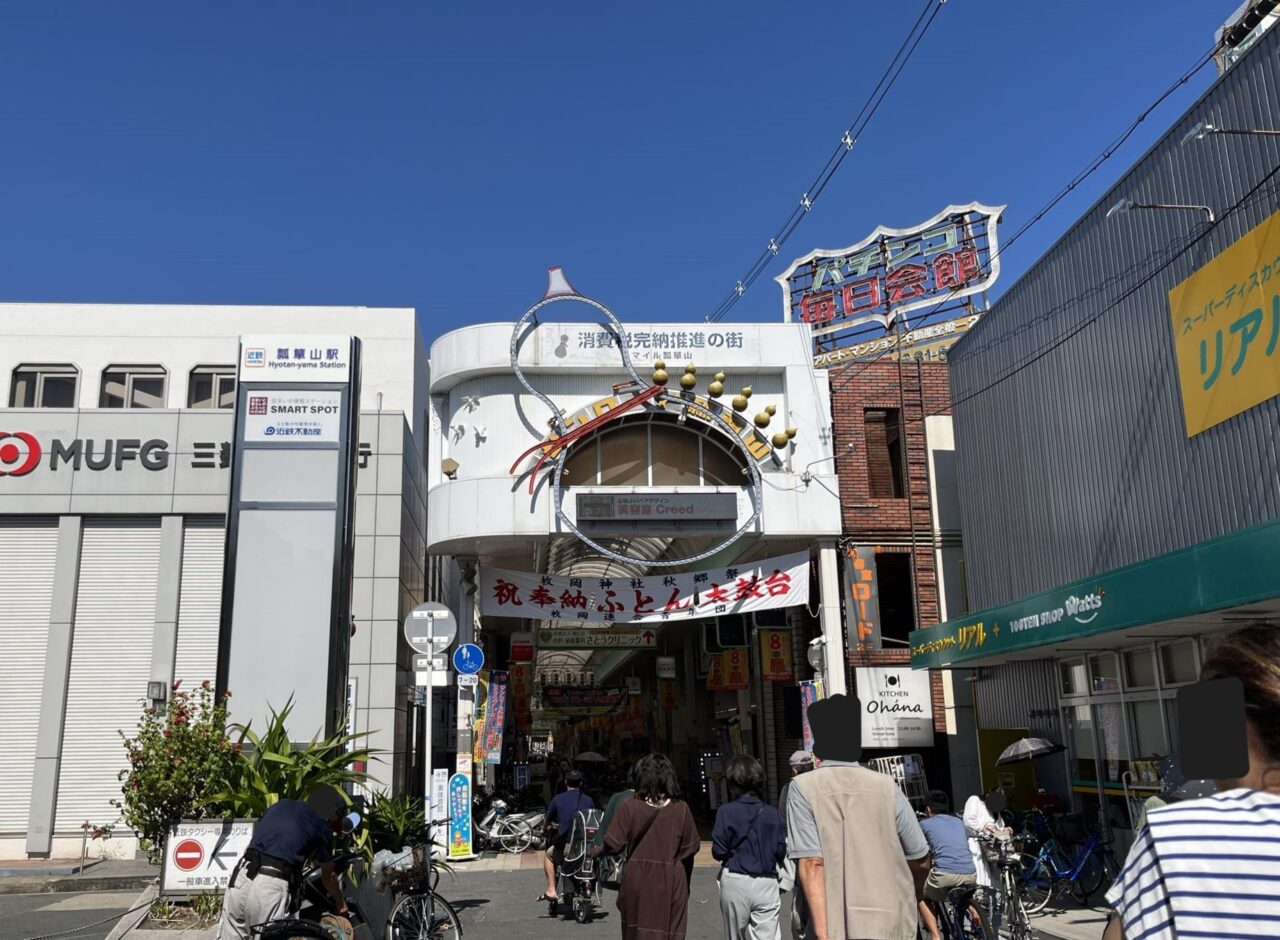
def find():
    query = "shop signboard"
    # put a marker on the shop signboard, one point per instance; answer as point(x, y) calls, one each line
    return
point(775, 655)
point(296, 414)
point(571, 638)
point(924, 344)
point(845, 294)
point(657, 507)
point(439, 804)
point(862, 596)
point(897, 707)
point(735, 670)
point(1226, 329)
point(495, 718)
point(668, 695)
point(583, 343)
point(584, 700)
point(280, 358)
point(810, 692)
point(521, 692)
point(199, 856)
point(460, 816)
point(1227, 571)
point(666, 667)
point(653, 598)
point(522, 647)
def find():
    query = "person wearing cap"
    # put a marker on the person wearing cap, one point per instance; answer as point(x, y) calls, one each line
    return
point(263, 883)
point(801, 762)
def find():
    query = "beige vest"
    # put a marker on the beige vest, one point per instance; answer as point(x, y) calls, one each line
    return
point(870, 891)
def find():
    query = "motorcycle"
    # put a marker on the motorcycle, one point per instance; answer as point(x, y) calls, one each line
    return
point(511, 832)
point(578, 874)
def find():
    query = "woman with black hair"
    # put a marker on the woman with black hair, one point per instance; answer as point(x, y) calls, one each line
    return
point(749, 842)
point(656, 830)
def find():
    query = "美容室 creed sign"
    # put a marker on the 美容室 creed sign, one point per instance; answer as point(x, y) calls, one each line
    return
point(653, 598)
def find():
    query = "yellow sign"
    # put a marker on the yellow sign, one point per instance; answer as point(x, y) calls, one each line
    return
point(1226, 327)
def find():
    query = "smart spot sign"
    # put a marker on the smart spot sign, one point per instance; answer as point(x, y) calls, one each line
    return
point(199, 856)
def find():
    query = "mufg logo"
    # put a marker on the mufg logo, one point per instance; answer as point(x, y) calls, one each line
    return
point(255, 357)
point(19, 453)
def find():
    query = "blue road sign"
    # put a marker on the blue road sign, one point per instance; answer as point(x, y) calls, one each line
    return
point(468, 659)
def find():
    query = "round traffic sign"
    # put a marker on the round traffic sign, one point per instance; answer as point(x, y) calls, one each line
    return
point(188, 854)
point(430, 628)
point(468, 659)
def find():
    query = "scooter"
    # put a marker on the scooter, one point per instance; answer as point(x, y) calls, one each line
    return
point(578, 875)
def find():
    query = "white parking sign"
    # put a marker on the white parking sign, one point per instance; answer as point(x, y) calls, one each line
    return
point(200, 856)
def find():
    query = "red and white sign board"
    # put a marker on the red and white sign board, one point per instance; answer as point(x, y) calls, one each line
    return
point(200, 856)
point(522, 647)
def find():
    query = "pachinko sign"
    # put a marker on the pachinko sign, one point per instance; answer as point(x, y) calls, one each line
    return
point(655, 598)
point(840, 292)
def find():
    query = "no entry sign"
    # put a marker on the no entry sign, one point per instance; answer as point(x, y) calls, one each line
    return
point(200, 856)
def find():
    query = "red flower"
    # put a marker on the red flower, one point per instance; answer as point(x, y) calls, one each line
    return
point(168, 733)
point(227, 694)
point(176, 684)
point(204, 684)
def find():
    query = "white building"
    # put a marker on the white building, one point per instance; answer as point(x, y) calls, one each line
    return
point(114, 474)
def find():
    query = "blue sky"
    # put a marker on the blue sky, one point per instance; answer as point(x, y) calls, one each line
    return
point(442, 155)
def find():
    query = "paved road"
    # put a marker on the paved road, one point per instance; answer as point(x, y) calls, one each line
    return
point(34, 915)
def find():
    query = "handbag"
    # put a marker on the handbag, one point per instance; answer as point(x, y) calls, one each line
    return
point(611, 866)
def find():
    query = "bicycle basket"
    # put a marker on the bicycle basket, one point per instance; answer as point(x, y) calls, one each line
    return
point(410, 870)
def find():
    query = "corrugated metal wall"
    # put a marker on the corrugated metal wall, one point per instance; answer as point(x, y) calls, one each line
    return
point(1078, 462)
point(1005, 697)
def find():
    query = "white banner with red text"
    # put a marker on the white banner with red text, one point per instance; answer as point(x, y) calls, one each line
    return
point(651, 598)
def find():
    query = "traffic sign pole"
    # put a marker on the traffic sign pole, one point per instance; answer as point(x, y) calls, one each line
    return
point(429, 629)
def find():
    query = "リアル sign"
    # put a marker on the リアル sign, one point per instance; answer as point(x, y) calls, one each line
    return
point(199, 856)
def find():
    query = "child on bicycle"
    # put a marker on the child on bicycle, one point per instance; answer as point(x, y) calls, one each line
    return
point(952, 864)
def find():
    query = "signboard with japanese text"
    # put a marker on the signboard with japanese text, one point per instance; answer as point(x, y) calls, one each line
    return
point(521, 691)
point(861, 596)
point(923, 344)
point(848, 295)
point(654, 598)
point(439, 802)
point(735, 670)
point(897, 707)
point(199, 856)
point(657, 507)
point(303, 358)
point(572, 638)
point(293, 415)
point(584, 700)
point(522, 647)
point(460, 816)
point(810, 692)
point(668, 695)
point(495, 718)
point(716, 673)
point(673, 344)
point(666, 667)
point(775, 655)
point(1226, 329)
point(481, 694)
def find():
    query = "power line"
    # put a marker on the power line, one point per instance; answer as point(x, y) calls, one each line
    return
point(847, 140)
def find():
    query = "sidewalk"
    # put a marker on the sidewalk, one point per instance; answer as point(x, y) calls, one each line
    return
point(1071, 922)
point(45, 875)
point(505, 861)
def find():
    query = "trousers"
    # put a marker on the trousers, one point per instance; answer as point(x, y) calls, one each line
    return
point(749, 906)
point(250, 902)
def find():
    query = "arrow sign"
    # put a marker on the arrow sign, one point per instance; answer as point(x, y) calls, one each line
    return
point(579, 639)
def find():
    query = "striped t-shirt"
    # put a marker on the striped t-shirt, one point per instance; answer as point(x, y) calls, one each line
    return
point(1204, 868)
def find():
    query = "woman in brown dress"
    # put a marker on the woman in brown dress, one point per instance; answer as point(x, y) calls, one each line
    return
point(657, 832)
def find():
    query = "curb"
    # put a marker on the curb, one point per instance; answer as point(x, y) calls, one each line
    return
point(129, 921)
point(76, 884)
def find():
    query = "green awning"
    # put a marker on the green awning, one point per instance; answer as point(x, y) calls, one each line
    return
point(1240, 568)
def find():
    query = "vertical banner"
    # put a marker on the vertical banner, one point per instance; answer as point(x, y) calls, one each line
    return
point(668, 695)
point(716, 674)
point(439, 795)
point(735, 670)
point(861, 597)
point(521, 776)
point(482, 709)
point(735, 738)
point(495, 718)
point(521, 692)
point(723, 744)
point(775, 655)
point(810, 692)
point(460, 816)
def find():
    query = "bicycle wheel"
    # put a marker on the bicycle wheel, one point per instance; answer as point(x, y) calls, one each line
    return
point(423, 917)
point(974, 924)
point(1035, 881)
point(1089, 878)
point(515, 836)
point(1016, 921)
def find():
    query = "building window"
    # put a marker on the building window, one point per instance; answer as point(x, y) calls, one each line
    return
point(212, 387)
point(1140, 669)
point(44, 386)
point(1073, 677)
point(133, 387)
point(893, 583)
point(882, 428)
point(650, 452)
point(1178, 660)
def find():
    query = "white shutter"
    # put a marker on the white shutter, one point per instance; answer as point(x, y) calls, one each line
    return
point(28, 552)
point(110, 664)
point(199, 602)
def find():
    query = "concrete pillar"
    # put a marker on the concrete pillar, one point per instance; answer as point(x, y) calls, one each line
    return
point(831, 619)
point(164, 645)
point(57, 674)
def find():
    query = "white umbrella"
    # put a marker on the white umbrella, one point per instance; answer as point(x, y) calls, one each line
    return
point(1028, 749)
point(591, 757)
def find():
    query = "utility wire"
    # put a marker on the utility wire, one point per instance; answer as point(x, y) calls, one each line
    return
point(893, 70)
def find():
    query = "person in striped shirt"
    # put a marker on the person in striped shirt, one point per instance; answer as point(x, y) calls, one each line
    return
point(1211, 867)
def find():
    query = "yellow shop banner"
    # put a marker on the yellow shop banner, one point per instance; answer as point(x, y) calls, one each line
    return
point(1226, 329)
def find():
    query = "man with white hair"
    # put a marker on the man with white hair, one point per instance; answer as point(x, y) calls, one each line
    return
point(801, 762)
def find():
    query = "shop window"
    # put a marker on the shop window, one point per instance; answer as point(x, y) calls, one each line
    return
point(133, 387)
point(1171, 719)
point(1079, 722)
point(1140, 669)
point(624, 456)
point(1104, 672)
point(893, 581)
point(1148, 729)
point(675, 456)
point(882, 428)
point(1109, 723)
point(212, 387)
point(1178, 662)
point(44, 386)
point(1074, 681)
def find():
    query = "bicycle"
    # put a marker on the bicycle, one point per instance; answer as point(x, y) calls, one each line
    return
point(1008, 909)
point(420, 913)
point(1045, 874)
point(960, 917)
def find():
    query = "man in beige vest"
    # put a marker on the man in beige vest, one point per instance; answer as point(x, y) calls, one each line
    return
point(861, 857)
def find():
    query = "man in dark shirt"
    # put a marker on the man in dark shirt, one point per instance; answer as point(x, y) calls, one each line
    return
point(748, 840)
point(560, 814)
point(953, 866)
point(289, 834)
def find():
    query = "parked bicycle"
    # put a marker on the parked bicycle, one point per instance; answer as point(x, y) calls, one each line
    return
point(1052, 870)
point(419, 913)
point(1006, 901)
point(960, 917)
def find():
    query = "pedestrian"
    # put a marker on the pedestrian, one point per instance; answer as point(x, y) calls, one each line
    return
point(560, 814)
point(1206, 867)
point(857, 844)
point(953, 866)
point(801, 762)
point(611, 808)
point(658, 834)
point(749, 843)
point(980, 812)
point(263, 883)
